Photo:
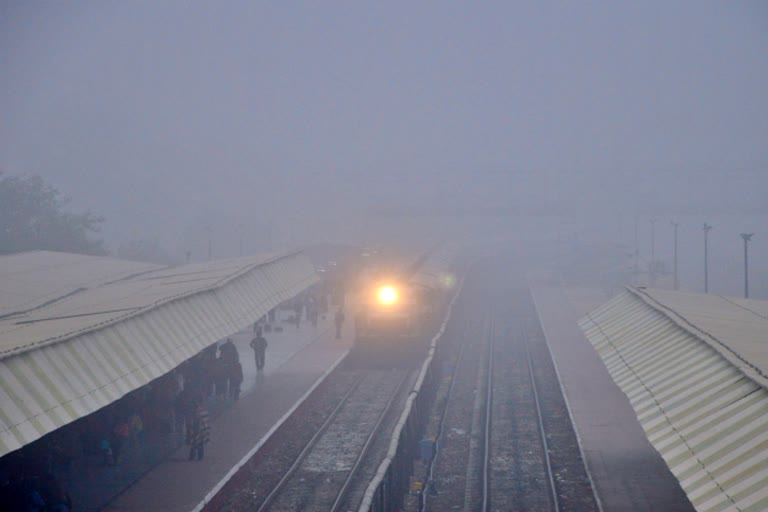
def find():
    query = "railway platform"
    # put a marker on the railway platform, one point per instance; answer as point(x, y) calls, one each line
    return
point(296, 359)
point(626, 470)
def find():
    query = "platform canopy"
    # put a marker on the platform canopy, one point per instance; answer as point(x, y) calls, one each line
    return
point(102, 328)
point(31, 279)
point(694, 369)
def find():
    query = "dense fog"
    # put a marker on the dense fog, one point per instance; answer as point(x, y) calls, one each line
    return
point(565, 126)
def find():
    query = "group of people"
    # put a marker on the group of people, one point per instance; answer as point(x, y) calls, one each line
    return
point(231, 378)
point(315, 307)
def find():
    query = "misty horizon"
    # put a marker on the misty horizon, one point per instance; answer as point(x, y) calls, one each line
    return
point(282, 125)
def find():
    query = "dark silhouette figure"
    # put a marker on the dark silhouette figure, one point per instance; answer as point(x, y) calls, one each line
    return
point(228, 352)
point(198, 431)
point(259, 346)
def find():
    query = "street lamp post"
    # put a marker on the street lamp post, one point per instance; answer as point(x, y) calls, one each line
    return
point(675, 282)
point(707, 229)
point(746, 237)
point(240, 230)
point(653, 250)
point(637, 255)
point(209, 230)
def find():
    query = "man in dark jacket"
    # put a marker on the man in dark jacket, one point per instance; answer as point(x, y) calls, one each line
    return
point(259, 346)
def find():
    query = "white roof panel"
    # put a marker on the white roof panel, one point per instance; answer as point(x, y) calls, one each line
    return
point(738, 328)
point(681, 360)
point(68, 358)
point(108, 299)
point(30, 279)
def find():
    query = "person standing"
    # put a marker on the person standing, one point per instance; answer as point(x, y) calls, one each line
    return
point(339, 320)
point(228, 352)
point(198, 431)
point(259, 346)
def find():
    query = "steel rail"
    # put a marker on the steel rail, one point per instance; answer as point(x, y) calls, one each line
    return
point(288, 474)
point(398, 433)
point(488, 416)
point(425, 490)
point(542, 432)
point(364, 451)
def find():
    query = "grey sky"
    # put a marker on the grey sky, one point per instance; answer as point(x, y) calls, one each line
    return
point(166, 115)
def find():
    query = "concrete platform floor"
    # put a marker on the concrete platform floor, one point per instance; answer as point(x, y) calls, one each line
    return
point(296, 359)
point(628, 473)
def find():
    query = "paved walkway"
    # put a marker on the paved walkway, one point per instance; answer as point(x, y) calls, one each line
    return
point(296, 358)
point(627, 471)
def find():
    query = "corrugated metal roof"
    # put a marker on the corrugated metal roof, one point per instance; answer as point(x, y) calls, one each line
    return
point(74, 356)
point(698, 403)
point(31, 279)
point(737, 328)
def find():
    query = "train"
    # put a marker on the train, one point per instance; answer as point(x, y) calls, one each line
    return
point(394, 320)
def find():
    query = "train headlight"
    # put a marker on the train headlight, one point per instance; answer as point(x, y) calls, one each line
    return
point(387, 295)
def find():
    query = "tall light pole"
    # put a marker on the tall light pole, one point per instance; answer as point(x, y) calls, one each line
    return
point(746, 237)
point(637, 254)
point(653, 250)
point(240, 229)
point(209, 229)
point(675, 283)
point(707, 229)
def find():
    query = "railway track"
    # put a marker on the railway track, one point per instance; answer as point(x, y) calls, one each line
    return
point(321, 477)
point(450, 471)
point(519, 472)
point(505, 441)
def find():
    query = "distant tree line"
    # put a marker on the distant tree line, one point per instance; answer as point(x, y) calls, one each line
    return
point(34, 216)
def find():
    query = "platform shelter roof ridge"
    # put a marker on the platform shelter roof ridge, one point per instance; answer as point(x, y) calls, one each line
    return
point(71, 356)
point(33, 279)
point(737, 328)
point(689, 365)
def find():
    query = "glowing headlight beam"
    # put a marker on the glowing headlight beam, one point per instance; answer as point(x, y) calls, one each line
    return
point(387, 295)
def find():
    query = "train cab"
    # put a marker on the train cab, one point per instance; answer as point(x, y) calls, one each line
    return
point(389, 309)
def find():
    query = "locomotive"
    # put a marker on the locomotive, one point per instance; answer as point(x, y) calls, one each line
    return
point(392, 309)
point(393, 320)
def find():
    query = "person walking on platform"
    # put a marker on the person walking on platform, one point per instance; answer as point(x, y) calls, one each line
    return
point(198, 431)
point(339, 320)
point(259, 346)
